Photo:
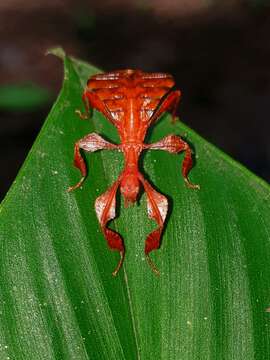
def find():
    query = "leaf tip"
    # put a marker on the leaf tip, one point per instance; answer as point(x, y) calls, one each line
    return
point(57, 51)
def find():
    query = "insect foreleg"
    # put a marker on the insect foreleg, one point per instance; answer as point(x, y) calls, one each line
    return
point(174, 144)
point(105, 210)
point(90, 143)
point(157, 207)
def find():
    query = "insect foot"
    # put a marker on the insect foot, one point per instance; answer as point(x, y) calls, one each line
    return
point(132, 101)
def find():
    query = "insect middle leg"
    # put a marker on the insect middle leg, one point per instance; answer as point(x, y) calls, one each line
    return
point(90, 143)
point(174, 144)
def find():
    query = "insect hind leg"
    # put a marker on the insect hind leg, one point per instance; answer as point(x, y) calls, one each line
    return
point(84, 116)
point(170, 102)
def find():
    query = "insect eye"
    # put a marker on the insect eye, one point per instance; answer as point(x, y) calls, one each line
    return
point(130, 188)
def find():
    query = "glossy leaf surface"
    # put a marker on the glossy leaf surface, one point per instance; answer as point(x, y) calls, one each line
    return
point(58, 299)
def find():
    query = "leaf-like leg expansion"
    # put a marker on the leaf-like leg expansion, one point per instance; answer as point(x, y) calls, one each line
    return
point(169, 103)
point(79, 164)
point(105, 210)
point(174, 144)
point(186, 167)
point(90, 143)
point(157, 207)
point(87, 108)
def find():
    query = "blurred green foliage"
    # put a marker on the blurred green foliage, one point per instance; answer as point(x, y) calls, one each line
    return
point(23, 97)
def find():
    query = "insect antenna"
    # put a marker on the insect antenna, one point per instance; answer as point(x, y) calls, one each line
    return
point(152, 265)
point(120, 263)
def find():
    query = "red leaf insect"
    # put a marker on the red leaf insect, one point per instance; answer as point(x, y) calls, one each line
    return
point(132, 101)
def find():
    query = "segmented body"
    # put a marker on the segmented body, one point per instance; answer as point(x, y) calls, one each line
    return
point(131, 100)
point(131, 97)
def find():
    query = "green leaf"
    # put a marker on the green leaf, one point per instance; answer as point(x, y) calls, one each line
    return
point(58, 299)
point(23, 97)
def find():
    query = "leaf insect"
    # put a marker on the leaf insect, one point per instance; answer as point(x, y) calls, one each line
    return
point(132, 100)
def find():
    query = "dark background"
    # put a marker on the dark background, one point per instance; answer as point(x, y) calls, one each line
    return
point(218, 51)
